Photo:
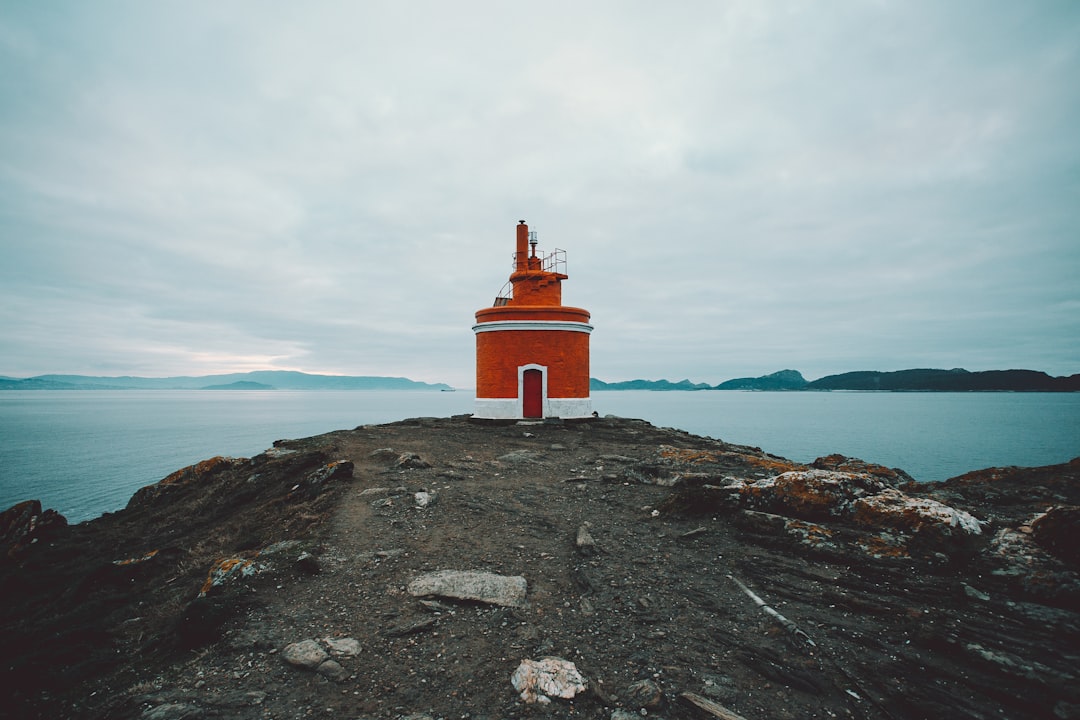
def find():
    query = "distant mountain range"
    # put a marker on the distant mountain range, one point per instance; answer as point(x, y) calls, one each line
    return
point(921, 380)
point(595, 384)
point(956, 380)
point(258, 380)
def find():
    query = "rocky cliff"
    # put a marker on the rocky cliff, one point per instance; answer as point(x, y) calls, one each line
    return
point(607, 568)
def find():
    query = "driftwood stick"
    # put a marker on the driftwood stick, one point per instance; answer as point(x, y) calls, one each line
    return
point(797, 632)
point(714, 709)
point(791, 627)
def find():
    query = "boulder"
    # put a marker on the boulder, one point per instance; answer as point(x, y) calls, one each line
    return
point(411, 461)
point(519, 457)
point(891, 476)
point(333, 670)
point(927, 519)
point(230, 570)
point(584, 541)
point(808, 494)
point(306, 654)
point(311, 655)
point(23, 524)
point(343, 647)
point(336, 469)
point(1058, 531)
point(1031, 570)
point(541, 680)
point(811, 506)
point(643, 694)
point(505, 590)
point(386, 455)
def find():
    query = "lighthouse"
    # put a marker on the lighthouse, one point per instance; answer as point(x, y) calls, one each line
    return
point(532, 352)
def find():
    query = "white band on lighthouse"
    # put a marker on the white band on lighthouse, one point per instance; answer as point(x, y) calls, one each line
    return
point(511, 409)
point(564, 325)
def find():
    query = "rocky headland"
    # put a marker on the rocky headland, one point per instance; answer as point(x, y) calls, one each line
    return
point(442, 568)
point(917, 380)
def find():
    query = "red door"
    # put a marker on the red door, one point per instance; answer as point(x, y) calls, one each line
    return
point(532, 385)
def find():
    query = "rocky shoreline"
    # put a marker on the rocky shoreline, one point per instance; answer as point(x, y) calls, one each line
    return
point(444, 568)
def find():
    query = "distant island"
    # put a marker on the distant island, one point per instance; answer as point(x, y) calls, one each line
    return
point(257, 380)
point(240, 385)
point(920, 380)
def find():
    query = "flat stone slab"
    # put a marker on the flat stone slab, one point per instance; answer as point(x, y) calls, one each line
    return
point(505, 590)
point(306, 653)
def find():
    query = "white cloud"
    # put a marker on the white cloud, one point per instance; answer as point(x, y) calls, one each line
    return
point(740, 187)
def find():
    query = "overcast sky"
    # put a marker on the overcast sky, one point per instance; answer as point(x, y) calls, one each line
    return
point(740, 186)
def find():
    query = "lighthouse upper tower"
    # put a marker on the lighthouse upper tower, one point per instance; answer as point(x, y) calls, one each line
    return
point(532, 352)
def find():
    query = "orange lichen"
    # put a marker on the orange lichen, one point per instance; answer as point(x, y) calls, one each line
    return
point(194, 471)
point(893, 508)
point(132, 561)
point(810, 494)
point(882, 546)
point(699, 457)
point(687, 456)
point(810, 534)
point(225, 568)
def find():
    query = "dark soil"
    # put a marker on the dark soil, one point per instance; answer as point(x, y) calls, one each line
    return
point(104, 619)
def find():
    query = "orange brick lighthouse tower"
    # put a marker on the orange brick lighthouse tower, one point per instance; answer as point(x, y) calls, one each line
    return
point(532, 352)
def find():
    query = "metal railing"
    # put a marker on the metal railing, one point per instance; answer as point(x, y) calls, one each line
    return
point(505, 295)
point(553, 263)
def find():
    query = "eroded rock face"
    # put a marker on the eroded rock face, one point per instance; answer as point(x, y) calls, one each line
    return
point(842, 463)
point(809, 494)
point(24, 524)
point(838, 511)
point(924, 517)
point(1058, 531)
point(857, 498)
point(1033, 571)
point(190, 476)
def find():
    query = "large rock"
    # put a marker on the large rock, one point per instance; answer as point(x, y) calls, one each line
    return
point(23, 524)
point(1031, 570)
point(928, 519)
point(483, 587)
point(842, 463)
point(1058, 531)
point(411, 461)
point(311, 655)
point(862, 500)
point(808, 494)
point(306, 654)
point(540, 680)
point(200, 474)
point(810, 505)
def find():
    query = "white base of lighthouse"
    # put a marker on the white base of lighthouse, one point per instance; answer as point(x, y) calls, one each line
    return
point(514, 408)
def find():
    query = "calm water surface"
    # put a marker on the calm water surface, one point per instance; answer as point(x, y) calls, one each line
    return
point(933, 436)
point(86, 452)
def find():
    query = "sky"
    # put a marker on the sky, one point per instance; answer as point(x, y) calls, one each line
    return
point(740, 186)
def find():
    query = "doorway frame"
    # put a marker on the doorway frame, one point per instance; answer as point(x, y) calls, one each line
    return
point(543, 389)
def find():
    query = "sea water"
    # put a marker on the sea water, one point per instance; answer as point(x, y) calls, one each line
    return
point(86, 452)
